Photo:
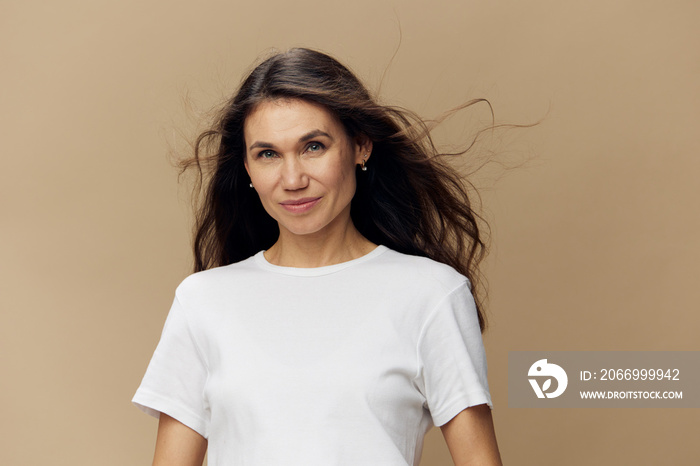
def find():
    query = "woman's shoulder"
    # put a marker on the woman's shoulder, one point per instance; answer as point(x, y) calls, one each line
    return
point(209, 280)
point(422, 271)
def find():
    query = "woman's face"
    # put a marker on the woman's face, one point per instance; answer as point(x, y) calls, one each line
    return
point(302, 165)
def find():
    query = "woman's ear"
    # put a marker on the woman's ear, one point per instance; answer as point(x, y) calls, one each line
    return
point(363, 149)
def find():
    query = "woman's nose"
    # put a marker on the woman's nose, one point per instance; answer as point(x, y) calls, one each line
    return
point(293, 175)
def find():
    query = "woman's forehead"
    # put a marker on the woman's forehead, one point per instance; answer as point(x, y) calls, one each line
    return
point(289, 118)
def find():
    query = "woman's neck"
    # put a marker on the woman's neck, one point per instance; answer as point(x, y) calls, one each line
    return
point(318, 250)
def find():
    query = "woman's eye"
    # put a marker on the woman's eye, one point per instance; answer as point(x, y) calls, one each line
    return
point(266, 154)
point(315, 147)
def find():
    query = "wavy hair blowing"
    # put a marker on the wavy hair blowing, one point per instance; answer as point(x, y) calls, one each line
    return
point(410, 200)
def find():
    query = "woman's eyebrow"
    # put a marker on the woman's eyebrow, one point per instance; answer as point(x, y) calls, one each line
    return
point(314, 134)
point(264, 145)
point(310, 135)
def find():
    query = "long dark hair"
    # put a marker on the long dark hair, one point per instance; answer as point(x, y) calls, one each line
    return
point(410, 199)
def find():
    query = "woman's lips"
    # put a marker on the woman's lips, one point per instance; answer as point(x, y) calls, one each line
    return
point(300, 205)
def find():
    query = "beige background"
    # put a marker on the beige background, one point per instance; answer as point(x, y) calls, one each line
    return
point(595, 238)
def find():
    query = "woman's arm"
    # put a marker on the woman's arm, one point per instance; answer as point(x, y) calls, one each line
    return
point(177, 444)
point(471, 438)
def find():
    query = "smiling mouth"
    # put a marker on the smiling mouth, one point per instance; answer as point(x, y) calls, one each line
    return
point(300, 205)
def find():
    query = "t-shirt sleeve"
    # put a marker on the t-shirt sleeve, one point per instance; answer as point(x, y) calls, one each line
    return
point(176, 376)
point(451, 358)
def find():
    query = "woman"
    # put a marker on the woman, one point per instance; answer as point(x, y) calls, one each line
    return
point(332, 318)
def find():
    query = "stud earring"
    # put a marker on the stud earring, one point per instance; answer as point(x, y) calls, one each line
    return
point(251, 185)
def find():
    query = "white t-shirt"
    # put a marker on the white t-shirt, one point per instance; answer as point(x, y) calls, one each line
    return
point(347, 364)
